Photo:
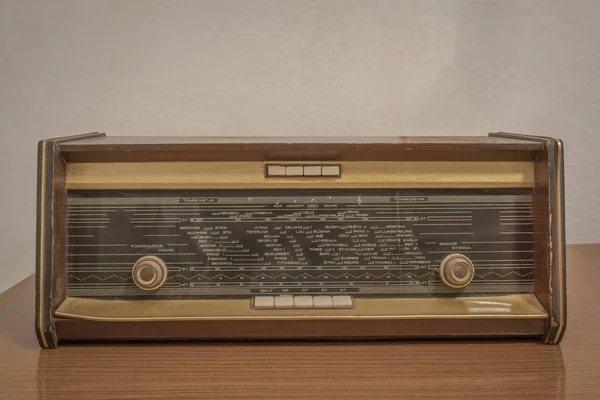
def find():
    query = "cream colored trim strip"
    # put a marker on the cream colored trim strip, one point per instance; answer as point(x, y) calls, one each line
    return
point(509, 306)
point(215, 175)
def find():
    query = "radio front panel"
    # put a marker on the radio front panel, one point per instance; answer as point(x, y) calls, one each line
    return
point(245, 243)
point(204, 238)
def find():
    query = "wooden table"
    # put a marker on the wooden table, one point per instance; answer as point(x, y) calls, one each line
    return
point(348, 370)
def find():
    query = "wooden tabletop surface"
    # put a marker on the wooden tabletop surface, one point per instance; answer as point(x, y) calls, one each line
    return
point(302, 370)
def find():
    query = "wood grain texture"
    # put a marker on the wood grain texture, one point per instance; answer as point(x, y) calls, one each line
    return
point(441, 142)
point(207, 148)
point(301, 370)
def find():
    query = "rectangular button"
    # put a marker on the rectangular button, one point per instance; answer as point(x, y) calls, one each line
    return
point(303, 302)
point(264, 302)
point(312, 170)
point(342, 301)
point(294, 170)
point(322, 302)
point(284, 302)
point(330, 170)
point(275, 170)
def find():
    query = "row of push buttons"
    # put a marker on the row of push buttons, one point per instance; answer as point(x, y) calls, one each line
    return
point(303, 170)
point(303, 302)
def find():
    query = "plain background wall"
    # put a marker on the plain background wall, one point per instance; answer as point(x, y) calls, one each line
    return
point(294, 68)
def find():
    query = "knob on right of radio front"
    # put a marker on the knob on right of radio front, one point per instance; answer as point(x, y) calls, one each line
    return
point(457, 271)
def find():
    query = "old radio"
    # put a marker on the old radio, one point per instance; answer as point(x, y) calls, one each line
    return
point(256, 238)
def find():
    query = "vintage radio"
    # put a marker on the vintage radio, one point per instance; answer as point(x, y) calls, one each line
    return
point(304, 238)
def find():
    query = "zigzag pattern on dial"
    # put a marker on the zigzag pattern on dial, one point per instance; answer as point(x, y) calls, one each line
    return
point(430, 275)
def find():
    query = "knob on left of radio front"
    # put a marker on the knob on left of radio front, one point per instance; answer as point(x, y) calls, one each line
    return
point(149, 273)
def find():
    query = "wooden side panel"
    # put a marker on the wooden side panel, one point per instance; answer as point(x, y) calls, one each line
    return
point(550, 285)
point(44, 325)
point(559, 248)
point(51, 229)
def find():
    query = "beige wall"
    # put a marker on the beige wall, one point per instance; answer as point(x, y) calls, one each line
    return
point(294, 68)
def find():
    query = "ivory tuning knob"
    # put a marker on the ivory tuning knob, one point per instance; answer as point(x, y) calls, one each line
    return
point(149, 273)
point(457, 271)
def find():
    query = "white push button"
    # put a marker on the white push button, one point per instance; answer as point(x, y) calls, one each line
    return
point(312, 170)
point(275, 170)
point(342, 301)
point(264, 302)
point(284, 302)
point(322, 302)
point(303, 302)
point(294, 170)
point(330, 170)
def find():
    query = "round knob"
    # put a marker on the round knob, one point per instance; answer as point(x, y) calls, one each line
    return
point(457, 271)
point(149, 273)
